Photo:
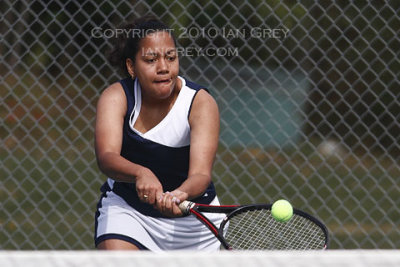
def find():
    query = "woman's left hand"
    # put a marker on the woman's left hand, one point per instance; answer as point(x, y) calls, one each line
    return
point(168, 203)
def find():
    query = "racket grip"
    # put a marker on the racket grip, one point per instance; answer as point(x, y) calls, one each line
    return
point(185, 206)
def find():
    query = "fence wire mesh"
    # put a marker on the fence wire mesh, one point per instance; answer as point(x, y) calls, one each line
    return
point(308, 93)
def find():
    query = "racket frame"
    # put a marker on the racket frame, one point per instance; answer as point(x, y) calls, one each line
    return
point(197, 209)
point(233, 210)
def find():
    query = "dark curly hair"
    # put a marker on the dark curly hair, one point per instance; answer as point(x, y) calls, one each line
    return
point(126, 44)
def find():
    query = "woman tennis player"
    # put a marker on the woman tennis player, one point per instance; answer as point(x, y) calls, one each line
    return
point(156, 139)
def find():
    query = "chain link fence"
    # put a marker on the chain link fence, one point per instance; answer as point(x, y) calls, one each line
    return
point(308, 93)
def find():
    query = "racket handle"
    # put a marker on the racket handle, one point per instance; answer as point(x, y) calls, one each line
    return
point(185, 206)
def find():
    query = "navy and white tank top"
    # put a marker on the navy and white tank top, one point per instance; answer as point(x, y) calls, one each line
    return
point(164, 149)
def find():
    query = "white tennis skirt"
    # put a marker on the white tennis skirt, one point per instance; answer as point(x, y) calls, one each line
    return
point(117, 220)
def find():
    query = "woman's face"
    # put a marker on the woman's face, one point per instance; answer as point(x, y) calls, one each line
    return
point(157, 66)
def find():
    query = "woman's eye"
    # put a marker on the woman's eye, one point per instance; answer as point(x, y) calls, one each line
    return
point(170, 55)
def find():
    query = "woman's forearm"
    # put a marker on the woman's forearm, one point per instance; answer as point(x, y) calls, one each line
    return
point(118, 168)
point(195, 185)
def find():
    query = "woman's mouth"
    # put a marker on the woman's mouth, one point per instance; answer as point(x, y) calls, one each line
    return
point(164, 81)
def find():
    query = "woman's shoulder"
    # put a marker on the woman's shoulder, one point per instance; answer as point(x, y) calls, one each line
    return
point(113, 92)
point(193, 85)
point(204, 110)
point(114, 88)
point(201, 95)
point(203, 103)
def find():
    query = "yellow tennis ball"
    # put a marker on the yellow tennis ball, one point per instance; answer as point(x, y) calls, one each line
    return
point(282, 210)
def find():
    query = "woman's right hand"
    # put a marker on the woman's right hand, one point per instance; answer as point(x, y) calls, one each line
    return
point(148, 187)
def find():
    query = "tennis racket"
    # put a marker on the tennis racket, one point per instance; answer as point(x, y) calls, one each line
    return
point(252, 227)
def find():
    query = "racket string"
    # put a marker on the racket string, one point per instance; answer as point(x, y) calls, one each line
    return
point(256, 229)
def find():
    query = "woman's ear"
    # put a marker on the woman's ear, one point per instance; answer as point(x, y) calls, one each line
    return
point(130, 67)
